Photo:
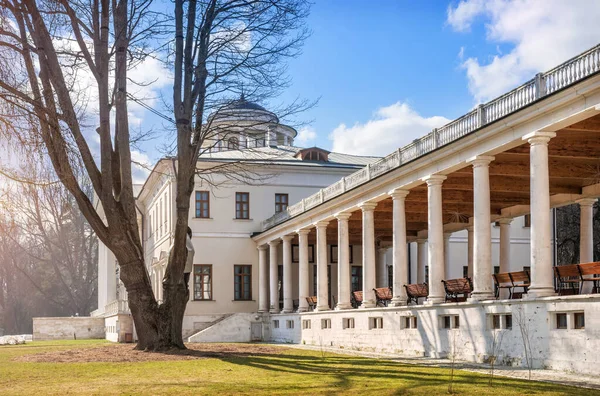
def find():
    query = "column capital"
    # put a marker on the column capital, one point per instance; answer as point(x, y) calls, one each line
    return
point(274, 243)
point(434, 180)
point(287, 238)
point(421, 240)
point(539, 137)
point(480, 160)
point(383, 249)
point(342, 215)
point(505, 220)
point(398, 193)
point(367, 206)
point(321, 223)
point(447, 235)
point(303, 231)
point(262, 247)
point(587, 201)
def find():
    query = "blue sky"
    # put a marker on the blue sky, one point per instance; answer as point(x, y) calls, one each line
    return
point(388, 71)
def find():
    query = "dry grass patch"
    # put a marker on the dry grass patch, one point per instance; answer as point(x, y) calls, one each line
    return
point(121, 353)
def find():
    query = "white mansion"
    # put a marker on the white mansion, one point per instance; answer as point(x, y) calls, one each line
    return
point(455, 203)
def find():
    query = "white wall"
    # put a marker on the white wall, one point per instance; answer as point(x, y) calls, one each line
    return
point(561, 349)
point(67, 328)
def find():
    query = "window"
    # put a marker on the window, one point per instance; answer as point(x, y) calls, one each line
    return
point(496, 322)
point(409, 322)
point(527, 221)
point(203, 282)
point(348, 323)
point(508, 322)
point(242, 282)
point(465, 271)
point(260, 142)
point(233, 143)
point(375, 323)
point(276, 324)
point(326, 323)
point(306, 324)
point(427, 274)
point(356, 278)
point(450, 322)
point(242, 205)
point(281, 202)
point(333, 254)
point(202, 205)
point(561, 320)
point(289, 324)
point(296, 253)
point(390, 275)
point(579, 320)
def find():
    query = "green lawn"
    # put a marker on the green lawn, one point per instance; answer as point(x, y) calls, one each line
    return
point(287, 371)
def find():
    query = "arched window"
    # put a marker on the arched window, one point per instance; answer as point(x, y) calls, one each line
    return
point(233, 144)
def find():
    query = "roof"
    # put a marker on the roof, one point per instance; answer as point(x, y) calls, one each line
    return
point(243, 109)
point(286, 155)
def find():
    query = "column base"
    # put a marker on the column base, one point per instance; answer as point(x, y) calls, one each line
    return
point(482, 296)
point(286, 311)
point(322, 308)
point(302, 309)
point(398, 301)
point(343, 306)
point(263, 310)
point(368, 304)
point(536, 292)
point(431, 300)
point(273, 311)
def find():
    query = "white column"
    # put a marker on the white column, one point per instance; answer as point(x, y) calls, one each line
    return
point(263, 280)
point(382, 271)
point(586, 227)
point(368, 253)
point(322, 292)
point(435, 240)
point(447, 263)
point(542, 277)
point(504, 259)
point(586, 236)
point(482, 248)
point(303, 278)
point(273, 265)
point(421, 259)
point(343, 261)
point(400, 250)
point(288, 298)
point(470, 238)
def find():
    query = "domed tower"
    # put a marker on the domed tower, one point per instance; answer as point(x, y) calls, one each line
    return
point(243, 124)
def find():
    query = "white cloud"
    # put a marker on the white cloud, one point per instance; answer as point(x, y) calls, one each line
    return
point(391, 127)
point(141, 166)
point(541, 34)
point(306, 136)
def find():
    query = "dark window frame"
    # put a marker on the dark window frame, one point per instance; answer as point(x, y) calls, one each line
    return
point(241, 276)
point(560, 325)
point(239, 213)
point(281, 206)
point(200, 210)
point(334, 258)
point(233, 143)
point(201, 283)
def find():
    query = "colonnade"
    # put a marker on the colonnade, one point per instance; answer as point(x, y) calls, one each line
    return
point(436, 243)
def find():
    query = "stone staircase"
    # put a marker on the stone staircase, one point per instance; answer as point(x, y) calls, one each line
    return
point(228, 328)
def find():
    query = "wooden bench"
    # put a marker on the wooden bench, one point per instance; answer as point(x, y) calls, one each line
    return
point(511, 281)
point(356, 298)
point(571, 278)
point(383, 296)
point(312, 302)
point(415, 291)
point(458, 289)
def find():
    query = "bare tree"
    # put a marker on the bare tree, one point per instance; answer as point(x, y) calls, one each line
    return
point(56, 247)
point(217, 48)
point(494, 352)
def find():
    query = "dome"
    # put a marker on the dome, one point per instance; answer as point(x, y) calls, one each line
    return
point(242, 109)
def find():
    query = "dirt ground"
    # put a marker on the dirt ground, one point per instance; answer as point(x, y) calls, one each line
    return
point(117, 353)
